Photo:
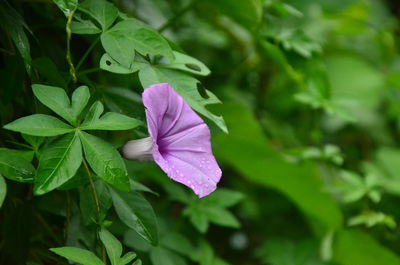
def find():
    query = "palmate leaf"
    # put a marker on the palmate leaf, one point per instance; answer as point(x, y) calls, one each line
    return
point(109, 121)
point(185, 85)
point(102, 11)
point(39, 125)
point(79, 255)
point(105, 161)
point(15, 166)
point(186, 63)
point(109, 64)
point(136, 213)
point(58, 163)
point(56, 99)
point(84, 27)
point(122, 40)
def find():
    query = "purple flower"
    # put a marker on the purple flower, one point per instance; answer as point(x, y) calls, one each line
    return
point(179, 141)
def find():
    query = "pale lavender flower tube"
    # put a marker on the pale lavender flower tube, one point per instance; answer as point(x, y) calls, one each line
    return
point(179, 141)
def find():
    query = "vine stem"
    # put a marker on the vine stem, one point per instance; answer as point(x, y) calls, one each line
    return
point(96, 201)
point(68, 56)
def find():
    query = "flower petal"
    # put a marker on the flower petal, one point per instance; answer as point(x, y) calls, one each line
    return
point(182, 145)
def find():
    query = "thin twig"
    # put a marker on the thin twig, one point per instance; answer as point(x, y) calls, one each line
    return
point(96, 201)
point(86, 54)
point(88, 71)
point(69, 60)
point(93, 188)
point(68, 216)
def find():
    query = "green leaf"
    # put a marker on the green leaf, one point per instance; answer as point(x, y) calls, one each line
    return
point(204, 254)
point(66, 6)
point(46, 67)
point(102, 11)
point(248, 151)
point(222, 198)
point(248, 13)
point(3, 190)
point(137, 186)
point(109, 121)
point(185, 86)
point(186, 63)
point(123, 100)
point(58, 163)
point(178, 243)
point(79, 100)
point(371, 218)
point(357, 87)
point(79, 255)
point(84, 27)
point(133, 240)
point(14, 25)
point(285, 252)
point(356, 247)
point(14, 166)
point(105, 161)
point(107, 63)
point(128, 257)
point(221, 217)
point(112, 245)
point(88, 205)
point(39, 125)
point(198, 218)
point(137, 262)
point(57, 100)
point(128, 36)
point(136, 213)
point(162, 256)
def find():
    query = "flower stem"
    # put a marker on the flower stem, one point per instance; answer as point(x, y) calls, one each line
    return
point(68, 57)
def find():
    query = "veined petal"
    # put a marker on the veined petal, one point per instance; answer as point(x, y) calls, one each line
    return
point(182, 145)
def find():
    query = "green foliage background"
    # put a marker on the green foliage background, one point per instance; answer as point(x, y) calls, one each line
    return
point(308, 135)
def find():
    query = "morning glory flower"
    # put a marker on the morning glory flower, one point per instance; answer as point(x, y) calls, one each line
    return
point(179, 141)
